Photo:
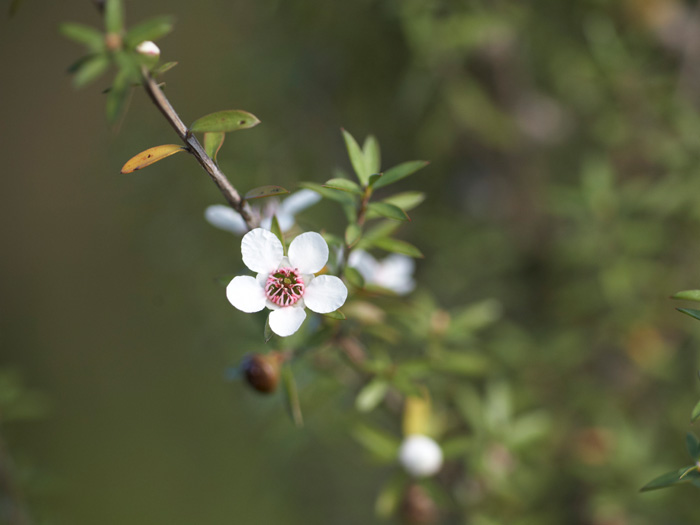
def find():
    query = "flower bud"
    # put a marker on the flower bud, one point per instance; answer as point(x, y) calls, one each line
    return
point(417, 507)
point(148, 48)
point(420, 456)
point(262, 371)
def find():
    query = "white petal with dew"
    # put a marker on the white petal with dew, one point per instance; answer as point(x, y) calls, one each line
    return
point(262, 251)
point(246, 294)
point(308, 252)
point(225, 218)
point(299, 201)
point(287, 320)
point(325, 294)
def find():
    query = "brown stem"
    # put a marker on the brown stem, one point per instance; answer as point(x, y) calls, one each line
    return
point(194, 147)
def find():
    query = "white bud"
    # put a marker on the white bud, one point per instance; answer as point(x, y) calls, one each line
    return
point(148, 48)
point(420, 456)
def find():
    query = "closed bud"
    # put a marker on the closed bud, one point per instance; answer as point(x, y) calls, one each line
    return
point(420, 456)
point(417, 507)
point(262, 371)
point(148, 48)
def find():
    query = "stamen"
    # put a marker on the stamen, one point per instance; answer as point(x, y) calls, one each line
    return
point(285, 286)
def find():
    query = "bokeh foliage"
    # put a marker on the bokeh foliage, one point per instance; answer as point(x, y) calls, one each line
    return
point(561, 212)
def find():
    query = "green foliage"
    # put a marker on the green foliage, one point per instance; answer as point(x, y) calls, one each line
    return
point(153, 29)
point(262, 192)
point(213, 142)
point(114, 16)
point(224, 121)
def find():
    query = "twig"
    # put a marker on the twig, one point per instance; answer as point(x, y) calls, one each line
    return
point(194, 147)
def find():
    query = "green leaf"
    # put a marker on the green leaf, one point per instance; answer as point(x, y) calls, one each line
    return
point(90, 37)
point(389, 497)
point(357, 158)
point(275, 228)
point(457, 447)
point(343, 185)
point(370, 150)
point(337, 315)
point(687, 295)
point(151, 156)
point(338, 196)
point(389, 211)
point(352, 234)
point(374, 178)
point(693, 446)
point(265, 191)
point(397, 246)
point(225, 121)
point(469, 365)
point(684, 475)
point(292, 395)
point(152, 29)
point(406, 200)
point(267, 331)
point(213, 142)
point(117, 96)
point(696, 413)
point(377, 442)
point(354, 277)
point(371, 395)
point(164, 68)
point(114, 16)
point(399, 172)
point(381, 229)
point(695, 314)
point(91, 70)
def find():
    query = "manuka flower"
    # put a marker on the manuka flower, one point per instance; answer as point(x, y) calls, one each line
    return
point(226, 218)
point(285, 285)
point(393, 273)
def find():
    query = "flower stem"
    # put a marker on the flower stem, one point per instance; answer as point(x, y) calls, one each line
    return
point(225, 187)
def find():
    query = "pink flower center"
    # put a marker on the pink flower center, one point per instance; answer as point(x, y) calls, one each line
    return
point(284, 286)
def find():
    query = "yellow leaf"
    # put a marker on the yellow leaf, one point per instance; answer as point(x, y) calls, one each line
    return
point(151, 155)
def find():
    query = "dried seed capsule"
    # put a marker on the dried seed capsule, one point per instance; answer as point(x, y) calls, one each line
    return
point(262, 371)
point(417, 507)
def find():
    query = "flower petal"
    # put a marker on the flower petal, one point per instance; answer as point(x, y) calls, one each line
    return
point(308, 252)
point(325, 294)
point(299, 201)
point(246, 294)
point(287, 320)
point(395, 273)
point(262, 251)
point(225, 218)
point(364, 263)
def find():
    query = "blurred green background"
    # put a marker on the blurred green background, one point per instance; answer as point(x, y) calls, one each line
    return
point(564, 178)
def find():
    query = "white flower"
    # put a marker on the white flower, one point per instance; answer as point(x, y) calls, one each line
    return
point(227, 219)
point(420, 456)
point(394, 273)
point(148, 48)
point(285, 285)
